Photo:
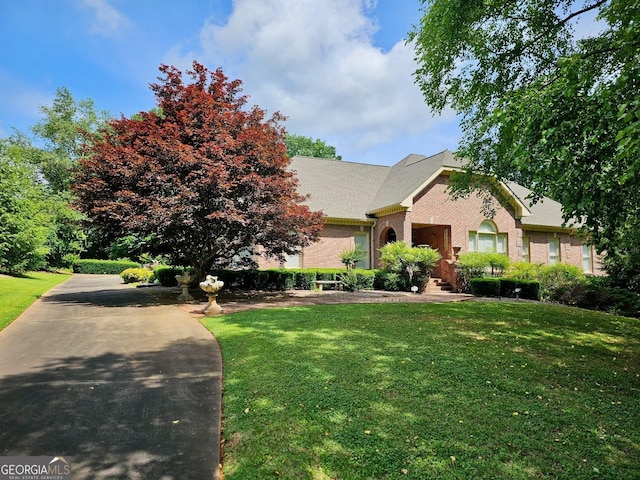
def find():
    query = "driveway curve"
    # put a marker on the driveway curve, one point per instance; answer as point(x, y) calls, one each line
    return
point(102, 373)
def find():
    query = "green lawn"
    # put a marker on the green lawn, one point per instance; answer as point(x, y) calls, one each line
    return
point(17, 293)
point(435, 391)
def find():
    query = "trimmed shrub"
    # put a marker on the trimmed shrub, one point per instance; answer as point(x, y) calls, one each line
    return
point(274, 279)
point(529, 289)
point(508, 287)
point(380, 276)
point(391, 282)
point(366, 279)
point(355, 280)
point(281, 279)
point(485, 287)
point(167, 275)
point(133, 275)
point(263, 280)
point(305, 279)
point(102, 267)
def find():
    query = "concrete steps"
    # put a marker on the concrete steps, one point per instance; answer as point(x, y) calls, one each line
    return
point(436, 285)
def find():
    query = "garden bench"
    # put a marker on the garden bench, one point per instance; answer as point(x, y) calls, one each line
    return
point(320, 283)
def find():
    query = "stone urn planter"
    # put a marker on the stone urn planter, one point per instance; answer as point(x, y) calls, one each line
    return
point(184, 281)
point(211, 286)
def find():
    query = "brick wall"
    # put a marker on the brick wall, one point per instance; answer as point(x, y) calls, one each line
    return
point(325, 253)
point(570, 249)
point(435, 206)
point(434, 210)
point(335, 239)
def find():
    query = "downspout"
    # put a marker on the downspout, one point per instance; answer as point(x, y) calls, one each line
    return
point(372, 244)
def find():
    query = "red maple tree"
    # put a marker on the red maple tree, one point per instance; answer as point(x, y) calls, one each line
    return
point(204, 175)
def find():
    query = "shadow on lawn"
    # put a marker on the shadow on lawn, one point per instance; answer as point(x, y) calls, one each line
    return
point(377, 391)
point(146, 415)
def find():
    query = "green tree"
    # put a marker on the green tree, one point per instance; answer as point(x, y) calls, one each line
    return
point(39, 226)
point(308, 147)
point(62, 131)
point(24, 212)
point(544, 107)
point(206, 179)
point(352, 257)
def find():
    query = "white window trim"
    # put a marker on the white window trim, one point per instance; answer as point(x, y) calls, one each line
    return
point(588, 258)
point(366, 263)
point(555, 259)
point(293, 260)
point(476, 236)
point(526, 249)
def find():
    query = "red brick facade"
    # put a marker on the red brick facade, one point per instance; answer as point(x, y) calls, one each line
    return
point(437, 220)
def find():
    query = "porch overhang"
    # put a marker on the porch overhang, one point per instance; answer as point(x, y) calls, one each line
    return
point(389, 210)
point(349, 221)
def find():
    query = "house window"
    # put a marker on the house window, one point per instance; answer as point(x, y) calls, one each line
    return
point(293, 260)
point(554, 251)
point(389, 236)
point(587, 259)
point(487, 239)
point(525, 249)
point(362, 240)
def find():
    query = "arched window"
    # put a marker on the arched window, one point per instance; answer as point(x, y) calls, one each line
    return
point(388, 236)
point(487, 239)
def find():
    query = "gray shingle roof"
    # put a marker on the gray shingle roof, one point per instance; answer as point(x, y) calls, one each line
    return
point(349, 190)
point(410, 175)
point(545, 213)
point(340, 189)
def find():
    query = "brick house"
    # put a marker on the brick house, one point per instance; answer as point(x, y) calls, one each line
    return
point(371, 205)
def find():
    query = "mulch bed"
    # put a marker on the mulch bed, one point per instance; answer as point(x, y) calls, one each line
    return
point(233, 302)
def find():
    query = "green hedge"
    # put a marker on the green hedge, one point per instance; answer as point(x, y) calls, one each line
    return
point(596, 293)
point(529, 289)
point(167, 275)
point(104, 267)
point(272, 279)
point(485, 287)
point(505, 287)
point(279, 279)
point(366, 279)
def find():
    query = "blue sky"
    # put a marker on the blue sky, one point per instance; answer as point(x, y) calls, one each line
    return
point(338, 69)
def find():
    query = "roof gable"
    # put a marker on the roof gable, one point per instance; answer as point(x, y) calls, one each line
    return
point(410, 176)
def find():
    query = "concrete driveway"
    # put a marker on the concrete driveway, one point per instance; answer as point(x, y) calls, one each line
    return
point(102, 373)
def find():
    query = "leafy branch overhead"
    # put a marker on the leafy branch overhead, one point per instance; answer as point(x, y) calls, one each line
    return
point(308, 147)
point(545, 104)
point(202, 173)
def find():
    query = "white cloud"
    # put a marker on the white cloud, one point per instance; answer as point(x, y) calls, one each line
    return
point(107, 21)
point(315, 61)
point(21, 102)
